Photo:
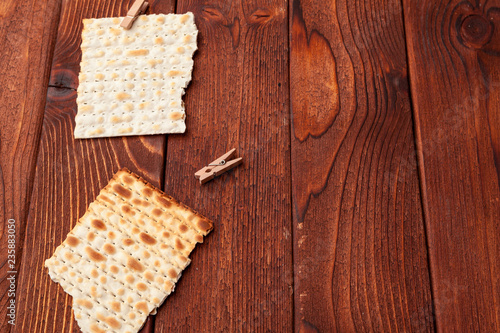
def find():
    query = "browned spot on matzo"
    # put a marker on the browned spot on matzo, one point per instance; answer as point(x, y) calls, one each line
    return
point(164, 202)
point(128, 242)
point(115, 306)
point(134, 265)
point(98, 224)
point(147, 192)
point(199, 238)
point(122, 191)
point(173, 73)
point(172, 273)
point(127, 210)
point(147, 238)
point(122, 96)
point(178, 244)
point(142, 306)
point(72, 241)
point(105, 198)
point(204, 225)
point(112, 322)
point(85, 303)
point(109, 249)
point(94, 328)
point(90, 236)
point(149, 276)
point(94, 255)
point(141, 52)
point(176, 115)
point(128, 180)
point(168, 285)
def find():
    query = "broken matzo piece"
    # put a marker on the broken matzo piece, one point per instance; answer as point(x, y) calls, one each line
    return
point(124, 256)
point(132, 81)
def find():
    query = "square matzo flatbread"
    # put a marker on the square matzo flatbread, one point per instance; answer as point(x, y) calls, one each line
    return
point(124, 256)
point(132, 81)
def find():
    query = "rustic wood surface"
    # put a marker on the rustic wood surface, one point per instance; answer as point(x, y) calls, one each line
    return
point(457, 114)
point(359, 243)
point(24, 74)
point(361, 205)
point(241, 279)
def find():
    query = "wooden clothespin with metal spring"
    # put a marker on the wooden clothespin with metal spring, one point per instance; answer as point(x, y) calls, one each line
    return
point(139, 7)
point(219, 166)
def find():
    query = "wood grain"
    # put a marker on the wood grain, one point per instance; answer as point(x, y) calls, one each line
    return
point(23, 83)
point(359, 244)
point(71, 172)
point(454, 61)
point(240, 279)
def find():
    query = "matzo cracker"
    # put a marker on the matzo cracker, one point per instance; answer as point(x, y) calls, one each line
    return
point(132, 81)
point(124, 256)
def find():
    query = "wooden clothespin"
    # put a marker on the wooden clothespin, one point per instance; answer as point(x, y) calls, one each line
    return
point(219, 166)
point(139, 7)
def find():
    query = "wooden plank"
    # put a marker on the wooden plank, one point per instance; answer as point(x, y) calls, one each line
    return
point(240, 279)
point(24, 77)
point(71, 172)
point(359, 244)
point(454, 60)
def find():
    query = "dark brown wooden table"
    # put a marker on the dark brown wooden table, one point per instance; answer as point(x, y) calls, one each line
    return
point(369, 197)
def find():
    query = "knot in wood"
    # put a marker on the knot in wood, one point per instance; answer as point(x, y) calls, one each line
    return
point(476, 31)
